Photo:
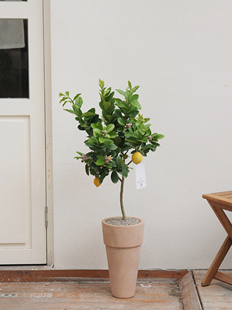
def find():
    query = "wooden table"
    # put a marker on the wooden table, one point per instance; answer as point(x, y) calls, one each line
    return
point(219, 202)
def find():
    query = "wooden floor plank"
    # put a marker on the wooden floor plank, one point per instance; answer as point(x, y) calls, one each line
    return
point(151, 294)
point(217, 295)
point(189, 293)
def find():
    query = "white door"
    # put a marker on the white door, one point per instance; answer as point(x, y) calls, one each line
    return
point(22, 134)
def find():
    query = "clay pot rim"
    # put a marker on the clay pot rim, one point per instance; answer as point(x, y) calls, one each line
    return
point(116, 226)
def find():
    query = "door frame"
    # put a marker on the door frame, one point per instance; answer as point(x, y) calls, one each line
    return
point(48, 130)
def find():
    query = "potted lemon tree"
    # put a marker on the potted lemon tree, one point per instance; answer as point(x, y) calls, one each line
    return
point(117, 138)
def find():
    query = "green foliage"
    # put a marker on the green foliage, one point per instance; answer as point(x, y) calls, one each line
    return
point(120, 129)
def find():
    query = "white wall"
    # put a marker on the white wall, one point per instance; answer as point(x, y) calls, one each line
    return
point(179, 52)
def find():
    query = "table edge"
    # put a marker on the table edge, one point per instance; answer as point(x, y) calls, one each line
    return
point(214, 197)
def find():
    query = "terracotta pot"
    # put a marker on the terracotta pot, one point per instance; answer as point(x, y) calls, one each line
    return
point(123, 245)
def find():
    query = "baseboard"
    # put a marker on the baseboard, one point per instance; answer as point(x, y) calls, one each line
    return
point(67, 275)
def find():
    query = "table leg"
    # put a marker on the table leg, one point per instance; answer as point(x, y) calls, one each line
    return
point(217, 262)
point(222, 217)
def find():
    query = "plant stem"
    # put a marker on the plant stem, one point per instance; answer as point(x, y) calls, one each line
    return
point(121, 200)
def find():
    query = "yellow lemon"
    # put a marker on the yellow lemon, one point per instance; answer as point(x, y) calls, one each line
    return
point(96, 182)
point(137, 157)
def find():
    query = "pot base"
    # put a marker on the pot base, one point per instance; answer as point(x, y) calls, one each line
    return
point(123, 269)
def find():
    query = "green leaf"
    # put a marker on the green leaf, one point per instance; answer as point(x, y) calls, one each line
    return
point(121, 121)
point(120, 161)
point(108, 166)
point(100, 162)
point(90, 141)
point(60, 94)
point(102, 177)
point(129, 84)
point(102, 139)
point(157, 136)
point(117, 140)
point(92, 171)
point(88, 114)
point(118, 100)
point(95, 135)
point(112, 164)
point(134, 89)
point(148, 132)
point(77, 157)
point(136, 104)
point(146, 127)
point(96, 125)
point(78, 102)
point(109, 117)
point(154, 146)
point(101, 83)
point(106, 141)
point(76, 97)
point(121, 104)
point(81, 127)
point(106, 105)
point(127, 95)
point(64, 101)
point(130, 138)
point(120, 92)
point(143, 140)
point(110, 147)
point(91, 110)
point(125, 171)
point(114, 177)
point(88, 161)
point(70, 111)
point(133, 113)
point(97, 130)
point(110, 98)
point(134, 97)
point(67, 93)
point(110, 127)
point(87, 169)
point(79, 153)
point(113, 134)
point(126, 147)
point(106, 92)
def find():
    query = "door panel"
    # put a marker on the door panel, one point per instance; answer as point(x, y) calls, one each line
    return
point(15, 178)
point(22, 136)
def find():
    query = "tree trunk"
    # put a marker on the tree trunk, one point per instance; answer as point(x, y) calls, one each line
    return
point(121, 199)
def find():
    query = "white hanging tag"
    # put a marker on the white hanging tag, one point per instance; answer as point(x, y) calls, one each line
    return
point(140, 176)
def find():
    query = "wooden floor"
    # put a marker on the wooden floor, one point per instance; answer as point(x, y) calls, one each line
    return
point(216, 296)
point(152, 293)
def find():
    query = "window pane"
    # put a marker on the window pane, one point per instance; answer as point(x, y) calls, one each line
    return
point(14, 81)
